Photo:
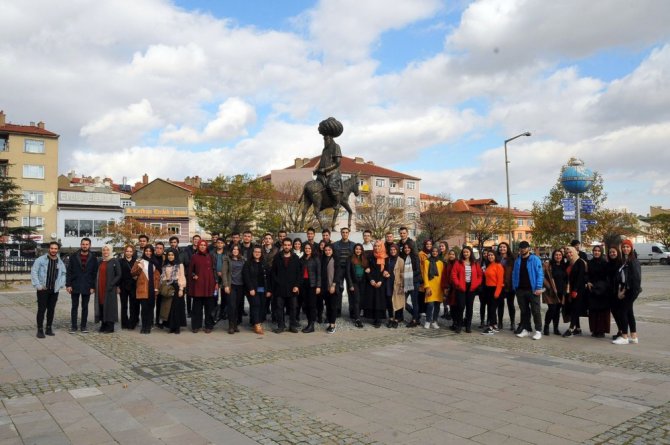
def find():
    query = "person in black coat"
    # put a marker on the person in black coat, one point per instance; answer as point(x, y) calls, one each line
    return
point(357, 267)
point(80, 282)
point(598, 294)
point(628, 287)
point(311, 284)
point(257, 279)
point(286, 277)
point(576, 290)
point(331, 274)
point(129, 307)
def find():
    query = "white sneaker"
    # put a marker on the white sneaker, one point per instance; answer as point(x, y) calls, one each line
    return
point(620, 341)
point(434, 325)
point(537, 336)
point(523, 333)
point(426, 325)
point(633, 340)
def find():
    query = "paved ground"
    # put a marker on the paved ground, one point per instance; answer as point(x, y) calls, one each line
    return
point(354, 387)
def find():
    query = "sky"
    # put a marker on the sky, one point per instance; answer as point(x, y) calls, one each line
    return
point(427, 87)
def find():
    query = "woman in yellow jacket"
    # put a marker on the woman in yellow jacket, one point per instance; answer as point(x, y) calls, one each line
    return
point(432, 270)
point(494, 280)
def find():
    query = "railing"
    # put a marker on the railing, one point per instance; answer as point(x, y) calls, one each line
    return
point(16, 265)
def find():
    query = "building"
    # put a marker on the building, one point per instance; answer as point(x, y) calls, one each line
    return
point(657, 210)
point(29, 154)
point(85, 206)
point(431, 201)
point(375, 182)
point(166, 205)
point(521, 230)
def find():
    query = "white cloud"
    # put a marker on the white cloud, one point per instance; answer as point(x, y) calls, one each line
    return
point(233, 117)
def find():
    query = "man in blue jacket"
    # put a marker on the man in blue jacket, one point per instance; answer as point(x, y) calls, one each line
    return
point(80, 282)
point(527, 280)
point(47, 277)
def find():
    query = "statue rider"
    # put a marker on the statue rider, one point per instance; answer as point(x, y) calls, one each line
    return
point(328, 171)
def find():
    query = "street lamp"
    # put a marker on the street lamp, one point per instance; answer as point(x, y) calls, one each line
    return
point(509, 208)
point(31, 200)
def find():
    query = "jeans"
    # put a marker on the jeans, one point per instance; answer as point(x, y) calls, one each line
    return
point(46, 303)
point(255, 304)
point(529, 303)
point(235, 304)
point(414, 308)
point(432, 311)
point(75, 310)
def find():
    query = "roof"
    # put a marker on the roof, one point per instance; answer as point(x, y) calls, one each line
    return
point(481, 202)
point(27, 129)
point(350, 166)
point(427, 197)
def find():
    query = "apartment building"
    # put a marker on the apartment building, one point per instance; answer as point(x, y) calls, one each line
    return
point(29, 154)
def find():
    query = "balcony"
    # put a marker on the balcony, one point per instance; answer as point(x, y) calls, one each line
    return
point(397, 190)
point(364, 188)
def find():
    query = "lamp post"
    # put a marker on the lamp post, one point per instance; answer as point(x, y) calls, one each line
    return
point(509, 208)
point(31, 200)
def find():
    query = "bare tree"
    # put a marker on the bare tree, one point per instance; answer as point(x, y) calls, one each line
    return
point(285, 210)
point(380, 214)
point(483, 226)
point(441, 221)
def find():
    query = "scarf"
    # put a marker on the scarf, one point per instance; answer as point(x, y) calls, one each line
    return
point(408, 274)
point(432, 267)
point(379, 253)
point(148, 269)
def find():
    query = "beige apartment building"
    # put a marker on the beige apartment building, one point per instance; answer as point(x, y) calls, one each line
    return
point(29, 154)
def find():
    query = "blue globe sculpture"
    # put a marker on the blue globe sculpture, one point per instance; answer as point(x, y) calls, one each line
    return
point(576, 178)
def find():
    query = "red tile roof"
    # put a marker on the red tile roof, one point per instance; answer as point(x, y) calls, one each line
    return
point(427, 197)
point(350, 166)
point(27, 129)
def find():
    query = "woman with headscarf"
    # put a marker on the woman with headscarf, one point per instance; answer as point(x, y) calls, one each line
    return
point(444, 254)
point(432, 283)
point(148, 280)
point(598, 294)
point(395, 295)
point(201, 288)
point(106, 288)
point(629, 280)
point(576, 290)
point(377, 280)
point(173, 314)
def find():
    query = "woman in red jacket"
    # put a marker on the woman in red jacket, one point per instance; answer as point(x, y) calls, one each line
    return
point(466, 276)
point(201, 287)
point(494, 279)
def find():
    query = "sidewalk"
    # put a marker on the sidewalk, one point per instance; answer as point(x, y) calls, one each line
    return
point(354, 387)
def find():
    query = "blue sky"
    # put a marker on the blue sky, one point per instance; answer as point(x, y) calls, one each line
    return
point(179, 88)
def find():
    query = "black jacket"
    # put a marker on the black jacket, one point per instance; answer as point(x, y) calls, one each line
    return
point(127, 281)
point(313, 265)
point(285, 277)
point(255, 275)
point(337, 272)
point(81, 280)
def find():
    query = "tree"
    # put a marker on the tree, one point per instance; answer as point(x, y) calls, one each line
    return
point(483, 226)
point(126, 231)
point(379, 214)
point(284, 210)
point(549, 228)
point(233, 203)
point(660, 228)
point(10, 202)
point(440, 222)
point(611, 226)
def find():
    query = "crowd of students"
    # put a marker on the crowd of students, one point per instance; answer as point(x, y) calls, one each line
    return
point(288, 280)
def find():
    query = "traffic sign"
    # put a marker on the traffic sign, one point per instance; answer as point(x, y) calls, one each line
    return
point(587, 201)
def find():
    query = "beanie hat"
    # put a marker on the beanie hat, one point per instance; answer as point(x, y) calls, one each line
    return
point(627, 242)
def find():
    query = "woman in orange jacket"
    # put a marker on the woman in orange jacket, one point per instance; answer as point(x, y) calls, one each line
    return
point(494, 279)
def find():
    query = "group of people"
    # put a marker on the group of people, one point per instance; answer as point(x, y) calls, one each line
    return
point(162, 286)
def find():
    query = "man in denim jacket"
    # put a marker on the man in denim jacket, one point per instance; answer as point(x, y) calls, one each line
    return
point(48, 277)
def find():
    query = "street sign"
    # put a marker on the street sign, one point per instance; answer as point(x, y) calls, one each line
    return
point(588, 202)
point(588, 209)
point(567, 203)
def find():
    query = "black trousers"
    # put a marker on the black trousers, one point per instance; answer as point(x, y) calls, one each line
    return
point(280, 303)
point(128, 312)
point(331, 306)
point(507, 296)
point(553, 315)
point(235, 303)
point(309, 301)
point(464, 301)
point(159, 300)
point(75, 310)
point(626, 319)
point(200, 303)
point(488, 295)
point(255, 304)
point(146, 309)
point(46, 303)
point(354, 297)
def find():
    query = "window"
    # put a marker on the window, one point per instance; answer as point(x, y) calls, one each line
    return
point(33, 146)
point(411, 216)
point(473, 237)
point(395, 202)
point(394, 183)
point(345, 176)
point(519, 235)
point(530, 223)
point(38, 197)
point(359, 200)
point(174, 228)
point(72, 228)
point(380, 199)
point(411, 201)
point(85, 227)
point(99, 227)
point(158, 226)
point(127, 203)
point(410, 185)
point(4, 144)
point(4, 168)
point(519, 222)
point(380, 182)
point(35, 221)
point(33, 171)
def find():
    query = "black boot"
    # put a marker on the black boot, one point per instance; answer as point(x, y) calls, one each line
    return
point(546, 329)
point(49, 331)
point(40, 333)
point(309, 328)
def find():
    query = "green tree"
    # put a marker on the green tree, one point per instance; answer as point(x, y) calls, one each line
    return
point(233, 203)
point(10, 204)
point(611, 226)
point(660, 228)
point(549, 228)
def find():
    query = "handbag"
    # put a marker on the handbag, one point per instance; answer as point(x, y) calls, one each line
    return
point(166, 289)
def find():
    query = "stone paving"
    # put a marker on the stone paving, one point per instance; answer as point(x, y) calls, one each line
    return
point(357, 386)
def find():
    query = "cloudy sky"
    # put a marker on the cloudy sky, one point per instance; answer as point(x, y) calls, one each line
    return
point(427, 87)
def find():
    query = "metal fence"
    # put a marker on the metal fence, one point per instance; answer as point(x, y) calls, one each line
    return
point(16, 265)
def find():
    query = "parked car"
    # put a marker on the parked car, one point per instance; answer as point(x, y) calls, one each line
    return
point(649, 253)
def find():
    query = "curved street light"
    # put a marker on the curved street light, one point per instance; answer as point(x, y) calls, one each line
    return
point(509, 209)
